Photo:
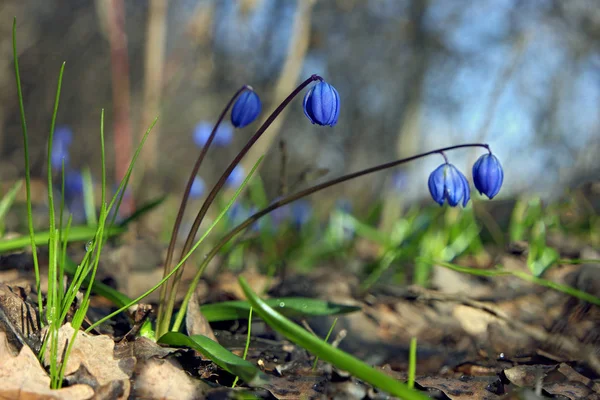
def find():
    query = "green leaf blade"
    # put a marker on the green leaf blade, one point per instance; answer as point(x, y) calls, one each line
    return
point(288, 306)
point(327, 352)
point(224, 358)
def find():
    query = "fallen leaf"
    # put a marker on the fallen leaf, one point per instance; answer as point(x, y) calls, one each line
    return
point(21, 316)
point(161, 379)
point(460, 389)
point(195, 322)
point(22, 377)
point(96, 353)
point(527, 375)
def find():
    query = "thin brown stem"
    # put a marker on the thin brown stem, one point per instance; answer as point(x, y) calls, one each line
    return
point(307, 192)
point(215, 190)
point(186, 194)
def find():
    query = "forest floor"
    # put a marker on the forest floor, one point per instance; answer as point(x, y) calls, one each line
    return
point(479, 337)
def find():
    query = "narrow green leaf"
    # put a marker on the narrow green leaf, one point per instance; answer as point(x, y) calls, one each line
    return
point(288, 306)
point(225, 359)
point(77, 234)
point(8, 200)
point(327, 352)
point(566, 289)
point(88, 197)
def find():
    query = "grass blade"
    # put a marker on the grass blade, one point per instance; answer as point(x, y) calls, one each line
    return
point(8, 200)
point(288, 306)
point(325, 351)
point(36, 266)
point(566, 289)
point(76, 234)
point(225, 359)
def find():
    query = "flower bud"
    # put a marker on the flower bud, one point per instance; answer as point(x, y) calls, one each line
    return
point(246, 109)
point(447, 183)
point(488, 175)
point(322, 104)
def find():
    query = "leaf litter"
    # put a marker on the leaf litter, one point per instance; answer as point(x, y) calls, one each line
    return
point(479, 337)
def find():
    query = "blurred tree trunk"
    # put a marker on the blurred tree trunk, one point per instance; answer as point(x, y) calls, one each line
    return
point(409, 133)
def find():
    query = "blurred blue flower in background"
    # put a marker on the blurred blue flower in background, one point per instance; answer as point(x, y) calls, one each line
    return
point(301, 212)
point(222, 138)
point(246, 109)
point(238, 213)
point(198, 187)
point(322, 104)
point(447, 183)
point(399, 181)
point(63, 137)
point(74, 195)
point(235, 179)
point(488, 175)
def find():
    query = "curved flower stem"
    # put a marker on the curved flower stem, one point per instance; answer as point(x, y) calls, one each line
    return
point(186, 195)
point(291, 198)
point(168, 311)
point(445, 158)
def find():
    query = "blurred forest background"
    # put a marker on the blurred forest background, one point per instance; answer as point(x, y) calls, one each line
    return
point(413, 75)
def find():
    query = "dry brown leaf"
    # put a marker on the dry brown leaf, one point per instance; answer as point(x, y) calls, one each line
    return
point(95, 353)
point(475, 322)
point(21, 314)
point(457, 389)
point(527, 375)
point(160, 379)
point(195, 322)
point(23, 377)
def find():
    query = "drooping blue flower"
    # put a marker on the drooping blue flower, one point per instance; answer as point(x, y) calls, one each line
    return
point(447, 183)
point(222, 138)
point(488, 175)
point(63, 137)
point(245, 110)
point(237, 176)
point(322, 104)
point(198, 188)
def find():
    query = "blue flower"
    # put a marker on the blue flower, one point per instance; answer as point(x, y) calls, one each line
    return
point(73, 184)
point(63, 137)
point(399, 181)
point(198, 188)
point(446, 182)
point(236, 177)
point(246, 109)
point(238, 213)
point(488, 175)
point(301, 212)
point(322, 104)
point(202, 132)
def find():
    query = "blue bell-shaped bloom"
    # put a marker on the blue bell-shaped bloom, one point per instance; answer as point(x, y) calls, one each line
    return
point(322, 104)
point(198, 187)
point(222, 138)
point(237, 176)
point(246, 109)
point(447, 183)
point(488, 175)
